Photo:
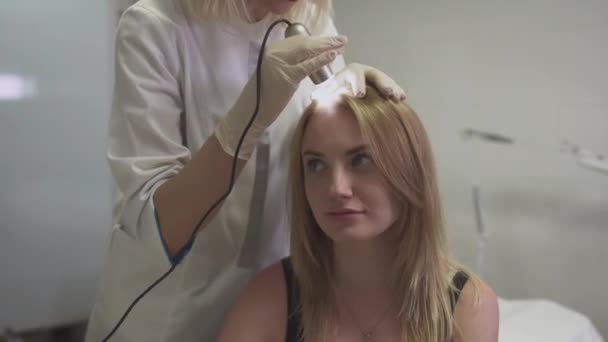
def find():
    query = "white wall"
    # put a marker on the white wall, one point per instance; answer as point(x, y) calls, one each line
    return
point(532, 70)
point(55, 187)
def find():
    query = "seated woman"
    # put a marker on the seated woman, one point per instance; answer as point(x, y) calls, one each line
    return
point(369, 258)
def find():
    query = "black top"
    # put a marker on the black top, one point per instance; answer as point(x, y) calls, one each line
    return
point(294, 319)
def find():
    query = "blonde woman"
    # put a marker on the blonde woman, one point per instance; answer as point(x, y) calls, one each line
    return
point(369, 258)
point(185, 89)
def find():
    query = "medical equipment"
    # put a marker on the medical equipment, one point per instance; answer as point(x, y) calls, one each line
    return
point(322, 74)
point(482, 233)
point(318, 77)
point(586, 158)
point(486, 136)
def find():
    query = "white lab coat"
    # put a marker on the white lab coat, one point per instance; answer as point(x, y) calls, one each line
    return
point(174, 80)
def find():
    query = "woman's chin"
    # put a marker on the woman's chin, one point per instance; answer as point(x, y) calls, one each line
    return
point(350, 234)
point(282, 7)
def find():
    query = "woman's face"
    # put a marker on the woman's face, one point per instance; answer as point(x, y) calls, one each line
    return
point(347, 193)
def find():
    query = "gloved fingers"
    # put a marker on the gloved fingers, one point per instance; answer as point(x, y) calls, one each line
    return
point(313, 64)
point(386, 85)
point(320, 44)
point(310, 47)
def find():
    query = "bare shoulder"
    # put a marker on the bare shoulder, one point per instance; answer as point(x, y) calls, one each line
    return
point(260, 311)
point(476, 313)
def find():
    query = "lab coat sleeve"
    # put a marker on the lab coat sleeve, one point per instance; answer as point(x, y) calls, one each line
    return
point(145, 143)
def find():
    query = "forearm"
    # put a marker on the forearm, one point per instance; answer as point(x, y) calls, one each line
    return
point(183, 200)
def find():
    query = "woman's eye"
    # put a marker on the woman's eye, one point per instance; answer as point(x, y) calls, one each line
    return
point(314, 165)
point(360, 160)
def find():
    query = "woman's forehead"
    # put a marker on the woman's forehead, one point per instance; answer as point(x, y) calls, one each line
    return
point(331, 128)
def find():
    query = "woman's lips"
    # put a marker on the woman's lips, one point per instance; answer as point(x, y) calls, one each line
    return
point(344, 213)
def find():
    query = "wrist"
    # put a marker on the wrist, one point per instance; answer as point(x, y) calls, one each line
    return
point(229, 136)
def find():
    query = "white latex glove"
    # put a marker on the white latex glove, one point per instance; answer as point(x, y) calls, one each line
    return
point(355, 76)
point(284, 66)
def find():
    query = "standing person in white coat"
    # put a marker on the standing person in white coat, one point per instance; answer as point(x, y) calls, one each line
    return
point(185, 88)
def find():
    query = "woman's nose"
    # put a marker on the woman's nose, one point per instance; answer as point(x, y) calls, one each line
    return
point(341, 185)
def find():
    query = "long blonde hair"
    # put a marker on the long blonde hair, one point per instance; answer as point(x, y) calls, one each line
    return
point(401, 149)
point(313, 13)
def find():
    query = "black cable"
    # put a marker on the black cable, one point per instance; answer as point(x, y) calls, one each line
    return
point(190, 241)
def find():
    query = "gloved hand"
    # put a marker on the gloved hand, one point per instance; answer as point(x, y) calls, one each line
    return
point(354, 78)
point(284, 66)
